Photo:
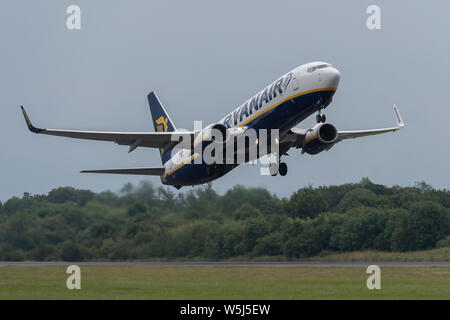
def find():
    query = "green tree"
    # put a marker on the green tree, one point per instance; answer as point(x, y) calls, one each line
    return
point(444, 243)
point(358, 197)
point(9, 253)
point(253, 230)
point(41, 252)
point(18, 231)
point(257, 198)
point(71, 252)
point(428, 223)
point(419, 228)
point(145, 192)
point(107, 197)
point(63, 194)
point(423, 187)
point(358, 230)
point(378, 189)
point(307, 238)
point(138, 207)
point(103, 230)
point(245, 211)
point(306, 203)
point(142, 222)
point(201, 202)
point(269, 245)
point(16, 204)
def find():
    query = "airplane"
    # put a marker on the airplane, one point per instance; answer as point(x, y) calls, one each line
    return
point(281, 105)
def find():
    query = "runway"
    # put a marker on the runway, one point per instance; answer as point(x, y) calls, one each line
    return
point(296, 264)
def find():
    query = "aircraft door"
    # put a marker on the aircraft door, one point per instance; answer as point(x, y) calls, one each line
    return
point(295, 84)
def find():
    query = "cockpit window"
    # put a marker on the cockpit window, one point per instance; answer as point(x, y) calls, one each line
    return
point(320, 66)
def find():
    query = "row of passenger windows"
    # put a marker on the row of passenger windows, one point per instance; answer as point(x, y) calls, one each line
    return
point(320, 66)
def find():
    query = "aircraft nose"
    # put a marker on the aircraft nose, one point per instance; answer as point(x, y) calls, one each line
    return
point(331, 77)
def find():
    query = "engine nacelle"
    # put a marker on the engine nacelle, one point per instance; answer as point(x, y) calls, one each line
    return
point(320, 137)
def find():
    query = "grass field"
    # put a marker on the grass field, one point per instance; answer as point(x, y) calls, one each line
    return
point(441, 254)
point(144, 282)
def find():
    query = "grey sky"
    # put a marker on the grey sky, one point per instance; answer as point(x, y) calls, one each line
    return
point(205, 58)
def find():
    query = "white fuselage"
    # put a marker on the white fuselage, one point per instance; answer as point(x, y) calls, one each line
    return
point(297, 82)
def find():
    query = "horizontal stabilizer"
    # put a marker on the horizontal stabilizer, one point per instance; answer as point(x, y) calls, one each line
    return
point(154, 171)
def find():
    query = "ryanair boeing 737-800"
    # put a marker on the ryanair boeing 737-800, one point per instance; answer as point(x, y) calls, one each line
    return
point(279, 107)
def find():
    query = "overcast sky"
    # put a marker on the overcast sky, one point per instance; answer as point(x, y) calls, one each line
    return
point(204, 58)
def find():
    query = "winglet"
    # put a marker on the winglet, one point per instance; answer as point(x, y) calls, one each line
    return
point(29, 124)
point(400, 122)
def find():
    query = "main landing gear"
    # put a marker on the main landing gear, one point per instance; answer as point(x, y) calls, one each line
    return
point(282, 169)
point(276, 168)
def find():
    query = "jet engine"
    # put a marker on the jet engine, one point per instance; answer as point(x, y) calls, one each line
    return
point(320, 137)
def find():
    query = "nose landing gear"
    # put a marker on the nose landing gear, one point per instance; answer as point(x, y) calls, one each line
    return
point(320, 117)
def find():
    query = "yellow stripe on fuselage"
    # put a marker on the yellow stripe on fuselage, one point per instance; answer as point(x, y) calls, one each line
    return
point(202, 139)
point(181, 165)
point(282, 101)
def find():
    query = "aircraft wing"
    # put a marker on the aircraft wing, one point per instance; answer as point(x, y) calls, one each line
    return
point(342, 135)
point(166, 140)
point(297, 135)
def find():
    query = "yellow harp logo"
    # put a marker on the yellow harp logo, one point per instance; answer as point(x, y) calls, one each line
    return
point(161, 124)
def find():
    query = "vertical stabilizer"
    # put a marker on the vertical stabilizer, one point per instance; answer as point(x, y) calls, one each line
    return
point(161, 119)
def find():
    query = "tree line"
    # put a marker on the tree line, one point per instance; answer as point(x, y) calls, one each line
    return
point(143, 222)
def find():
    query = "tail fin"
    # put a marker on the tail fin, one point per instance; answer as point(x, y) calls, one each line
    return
point(161, 122)
point(161, 119)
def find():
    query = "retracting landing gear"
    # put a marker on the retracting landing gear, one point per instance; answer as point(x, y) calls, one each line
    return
point(320, 117)
point(275, 168)
point(282, 169)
